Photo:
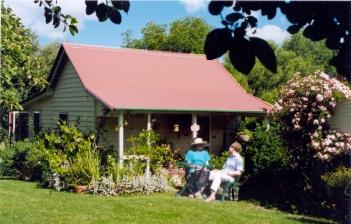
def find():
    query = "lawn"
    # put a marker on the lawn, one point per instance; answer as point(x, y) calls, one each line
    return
point(23, 202)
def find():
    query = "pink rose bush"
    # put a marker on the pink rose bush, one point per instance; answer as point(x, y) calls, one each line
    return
point(305, 105)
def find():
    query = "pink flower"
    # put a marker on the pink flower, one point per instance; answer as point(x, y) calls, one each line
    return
point(319, 97)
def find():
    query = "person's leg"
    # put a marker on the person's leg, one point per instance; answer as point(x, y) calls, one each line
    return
point(218, 178)
point(192, 183)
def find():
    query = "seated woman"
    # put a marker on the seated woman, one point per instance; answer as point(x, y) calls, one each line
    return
point(233, 167)
point(198, 159)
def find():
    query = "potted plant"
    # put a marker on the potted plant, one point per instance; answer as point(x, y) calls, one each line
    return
point(245, 135)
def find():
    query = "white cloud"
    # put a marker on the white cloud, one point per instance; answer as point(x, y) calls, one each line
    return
point(272, 32)
point(193, 6)
point(33, 16)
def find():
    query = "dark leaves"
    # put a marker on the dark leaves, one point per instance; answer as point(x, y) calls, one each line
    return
point(241, 55)
point(294, 29)
point(216, 7)
point(48, 15)
point(252, 21)
point(264, 53)
point(333, 42)
point(315, 32)
point(233, 17)
point(91, 7)
point(104, 11)
point(101, 12)
point(115, 16)
point(73, 29)
point(121, 5)
point(217, 42)
point(56, 21)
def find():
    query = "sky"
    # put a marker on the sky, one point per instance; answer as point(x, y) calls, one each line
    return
point(141, 12)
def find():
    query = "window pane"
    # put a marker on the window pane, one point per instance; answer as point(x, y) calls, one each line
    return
point(36, 121)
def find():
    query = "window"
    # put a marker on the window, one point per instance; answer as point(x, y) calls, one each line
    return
point(63, 117)
point(36, 122)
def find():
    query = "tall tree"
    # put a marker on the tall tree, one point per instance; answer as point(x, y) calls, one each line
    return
point(19, 70)
point(24, 64)
point(183, 35)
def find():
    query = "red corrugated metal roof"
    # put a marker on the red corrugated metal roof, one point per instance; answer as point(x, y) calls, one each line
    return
point(153, 80)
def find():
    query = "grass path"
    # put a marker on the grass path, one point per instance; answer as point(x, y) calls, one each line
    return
point(22, 202)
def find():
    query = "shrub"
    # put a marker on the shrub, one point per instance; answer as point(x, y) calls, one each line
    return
point(24, 160)
point(304, 106)
point(338, 188)
point(266, 150)
point(142, 184)
point(145, 143)
point(217, 162)
point(72, 156)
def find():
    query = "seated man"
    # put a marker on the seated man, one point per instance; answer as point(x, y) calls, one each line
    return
point(197, 158)
point(233, 167)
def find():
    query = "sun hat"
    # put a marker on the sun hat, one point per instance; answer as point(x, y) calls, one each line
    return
point(199, 141)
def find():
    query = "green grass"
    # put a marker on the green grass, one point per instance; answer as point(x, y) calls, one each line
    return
point(23, 202)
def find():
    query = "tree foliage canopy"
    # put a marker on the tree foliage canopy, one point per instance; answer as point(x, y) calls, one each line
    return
point(24, 65)
point(183, 35)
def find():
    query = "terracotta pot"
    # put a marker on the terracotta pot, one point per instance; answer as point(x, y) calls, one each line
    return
point(79, 189)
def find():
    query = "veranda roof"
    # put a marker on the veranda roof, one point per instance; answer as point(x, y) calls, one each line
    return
point(130, 79)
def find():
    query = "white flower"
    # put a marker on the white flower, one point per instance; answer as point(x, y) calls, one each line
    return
point(315, 121)
point(319, 97)
point(327, 141)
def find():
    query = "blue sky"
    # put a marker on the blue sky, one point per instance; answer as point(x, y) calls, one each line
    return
point(141, 12)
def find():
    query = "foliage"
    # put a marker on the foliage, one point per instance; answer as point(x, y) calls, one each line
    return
point(266, 151)
point(297, 54)
point(24, 160)
point(319, 20)
point(341, 178)
point(145, 143)
point(19, 69)
point(85, 167)
point(338, 186)
point(72, 155)
point(142, 184)
point(183, 35)
point(52, 13)
point(304, 107)
point(217, 162)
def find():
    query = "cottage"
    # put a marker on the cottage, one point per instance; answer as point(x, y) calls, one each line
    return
point(180, 96)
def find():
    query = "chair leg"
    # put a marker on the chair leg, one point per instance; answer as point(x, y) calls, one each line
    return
point(223, 193)
point(236, 193)
point(181, 192)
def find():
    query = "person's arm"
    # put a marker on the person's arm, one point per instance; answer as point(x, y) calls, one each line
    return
point(234, 173)
point(239, 168)
point(207, 159)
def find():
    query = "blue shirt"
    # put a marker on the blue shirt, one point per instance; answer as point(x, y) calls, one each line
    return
point(234, 163)
point(197, 158)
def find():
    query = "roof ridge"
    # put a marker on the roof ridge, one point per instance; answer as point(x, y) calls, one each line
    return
point(137, 51)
